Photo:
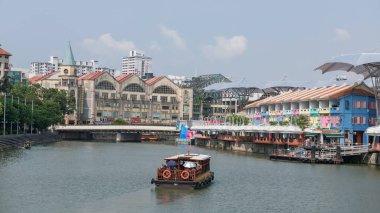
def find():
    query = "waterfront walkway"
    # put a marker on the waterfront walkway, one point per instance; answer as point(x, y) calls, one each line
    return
point(17, 141)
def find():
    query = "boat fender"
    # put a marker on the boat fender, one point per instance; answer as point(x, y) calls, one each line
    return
point(185, 174)
point(166, 174)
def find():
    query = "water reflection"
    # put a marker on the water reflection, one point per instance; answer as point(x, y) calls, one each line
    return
point(9, 156)
point(168, 194)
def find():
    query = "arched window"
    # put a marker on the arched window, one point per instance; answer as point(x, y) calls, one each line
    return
point(105, 85)
point(134, 88)
point(164, 90)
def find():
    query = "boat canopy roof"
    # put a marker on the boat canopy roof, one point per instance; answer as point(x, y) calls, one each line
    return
point(190, 157)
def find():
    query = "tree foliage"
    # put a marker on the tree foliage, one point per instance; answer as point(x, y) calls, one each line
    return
point(33, 104)
point(302, 121)
point(237, 119)
point(5, 85)
point(119, 122)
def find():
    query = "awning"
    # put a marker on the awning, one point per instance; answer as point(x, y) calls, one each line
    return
point(333, 135)
point(311, 134)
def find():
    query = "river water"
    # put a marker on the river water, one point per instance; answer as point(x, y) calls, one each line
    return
point(115, 177)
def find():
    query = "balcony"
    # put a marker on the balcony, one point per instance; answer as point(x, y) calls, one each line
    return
point(334, 110)
point(287, 112)
point(264, 114)
point(257, 115)
point(324, 110)
point(304, 111)
point(295, 111)
point(272, 113)
point(314, 111)
point(279, 113)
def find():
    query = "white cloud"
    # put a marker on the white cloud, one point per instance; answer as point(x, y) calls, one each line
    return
point(155, 46)
point(106, 44)
point(226, 48)
point(341, 34)
point(174, 36)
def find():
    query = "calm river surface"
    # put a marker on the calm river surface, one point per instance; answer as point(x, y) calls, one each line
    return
point(115, 177)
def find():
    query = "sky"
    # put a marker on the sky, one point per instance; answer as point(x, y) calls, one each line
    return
point(257, 42)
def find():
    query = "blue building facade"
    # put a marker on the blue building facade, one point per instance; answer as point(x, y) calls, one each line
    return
point(357, 113)
point(341, 113)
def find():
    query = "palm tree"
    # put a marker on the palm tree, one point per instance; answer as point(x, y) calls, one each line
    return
point(302, 122)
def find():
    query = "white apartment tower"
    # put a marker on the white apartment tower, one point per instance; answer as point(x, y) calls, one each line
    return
point(137, 63)
point(54, 65)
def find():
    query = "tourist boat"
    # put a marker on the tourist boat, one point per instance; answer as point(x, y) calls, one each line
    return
point(27, 145)
point(185, 169)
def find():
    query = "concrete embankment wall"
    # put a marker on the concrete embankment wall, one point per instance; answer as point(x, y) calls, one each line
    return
point(373, 159)
point(235, 146)
point(15, 141)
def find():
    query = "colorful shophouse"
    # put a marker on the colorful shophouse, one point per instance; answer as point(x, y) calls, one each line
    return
point(336, 113)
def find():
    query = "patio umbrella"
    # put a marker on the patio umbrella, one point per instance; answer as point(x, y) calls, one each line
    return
point(171, 163)
point(189, 164)
point(366, 64)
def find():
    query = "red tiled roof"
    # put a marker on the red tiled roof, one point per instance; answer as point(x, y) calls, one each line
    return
point(34, 79)
point(47, 76)
point(3, 52)
point(91, 76)
point(153, 80)
point(123, 77)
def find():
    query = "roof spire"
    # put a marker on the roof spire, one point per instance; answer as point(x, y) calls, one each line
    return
point(69, 59)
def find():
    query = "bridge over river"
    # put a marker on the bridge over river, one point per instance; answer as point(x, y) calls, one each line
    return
point(120, 133)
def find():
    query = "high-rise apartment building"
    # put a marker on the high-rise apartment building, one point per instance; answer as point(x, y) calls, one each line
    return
point(54, 65)
point(138, 64)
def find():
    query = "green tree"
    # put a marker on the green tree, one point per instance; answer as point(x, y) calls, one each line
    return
point(284, 123)
point(237, 119)
point(302, 121)
point(273, 123)
point(49, 106)
point(119, 122)
point(5, 85)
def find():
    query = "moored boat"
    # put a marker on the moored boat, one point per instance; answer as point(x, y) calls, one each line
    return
point(150, 137)
point(185, 169)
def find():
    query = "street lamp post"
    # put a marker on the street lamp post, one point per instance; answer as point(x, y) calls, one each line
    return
point(31, 121)
point(150, 109)
point(18, 109)
point(5, 109)
point(11, 113)
point(24, 120)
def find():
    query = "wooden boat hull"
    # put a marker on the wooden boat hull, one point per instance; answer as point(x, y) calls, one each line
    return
point(198, 183)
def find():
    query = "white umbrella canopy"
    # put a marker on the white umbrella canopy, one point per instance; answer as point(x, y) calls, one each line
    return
point(189, 164)
point(373, 131)
point(366, 64)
